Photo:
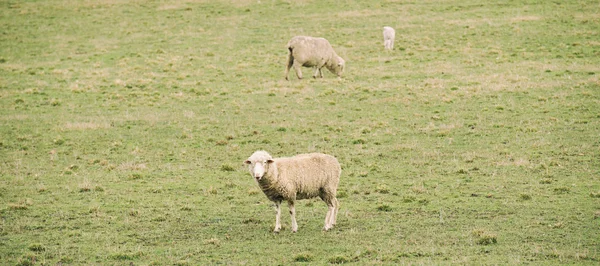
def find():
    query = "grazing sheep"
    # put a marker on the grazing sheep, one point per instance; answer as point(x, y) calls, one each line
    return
point(312, 52)
point(388, 37)
point(303, 176)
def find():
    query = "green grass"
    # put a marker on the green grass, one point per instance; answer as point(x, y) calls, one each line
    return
point(124, 125)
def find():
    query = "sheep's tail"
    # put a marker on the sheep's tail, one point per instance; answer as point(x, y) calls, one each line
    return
point(290, 57)
point(290, 62)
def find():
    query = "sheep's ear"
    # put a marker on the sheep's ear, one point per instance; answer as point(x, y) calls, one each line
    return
point(270, 161)
point(247, 162)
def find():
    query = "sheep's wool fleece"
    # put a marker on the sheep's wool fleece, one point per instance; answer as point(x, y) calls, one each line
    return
point(388, 33)
point(305, 175)
point(312, 51)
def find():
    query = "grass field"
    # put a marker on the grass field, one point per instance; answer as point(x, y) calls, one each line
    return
point(124, 126)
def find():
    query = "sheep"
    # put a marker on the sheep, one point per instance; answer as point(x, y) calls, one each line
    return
point(305, 51)
point(388, 37)
point(303, 176)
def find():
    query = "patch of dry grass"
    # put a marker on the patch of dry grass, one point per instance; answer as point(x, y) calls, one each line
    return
point(132, 166)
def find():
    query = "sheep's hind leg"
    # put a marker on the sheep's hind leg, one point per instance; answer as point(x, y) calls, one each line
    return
point(277, 216)
point(298, 68)
point(293, 215)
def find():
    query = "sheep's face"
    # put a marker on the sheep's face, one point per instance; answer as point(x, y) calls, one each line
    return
point(258, 167)
point(338, 67)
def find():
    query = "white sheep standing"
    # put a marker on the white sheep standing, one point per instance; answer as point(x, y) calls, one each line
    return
point(306, 51)
point(303, 176)
point(389, 34)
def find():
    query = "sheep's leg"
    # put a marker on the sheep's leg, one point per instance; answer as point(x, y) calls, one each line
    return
point(335, 211)
point(329, 217)
point(298, 68)
point(331, 212)
point(318, 72)
point(293, 214)
point(332, 203)
point(277, 216)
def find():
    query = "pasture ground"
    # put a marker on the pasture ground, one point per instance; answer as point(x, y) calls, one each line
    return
point(124, 125)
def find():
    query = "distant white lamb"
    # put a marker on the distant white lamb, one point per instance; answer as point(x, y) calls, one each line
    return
point(303, 176)
point(305, 51)
point(388, 37)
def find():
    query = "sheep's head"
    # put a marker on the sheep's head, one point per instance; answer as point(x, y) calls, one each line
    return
point(337, 66)
point(258, 164)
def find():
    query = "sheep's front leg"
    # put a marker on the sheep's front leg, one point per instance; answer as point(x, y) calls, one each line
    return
point(331, 214)
point(318, 72)
point(335, 210)
point(277, 216)
point(293, 214)
point(328, 218)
